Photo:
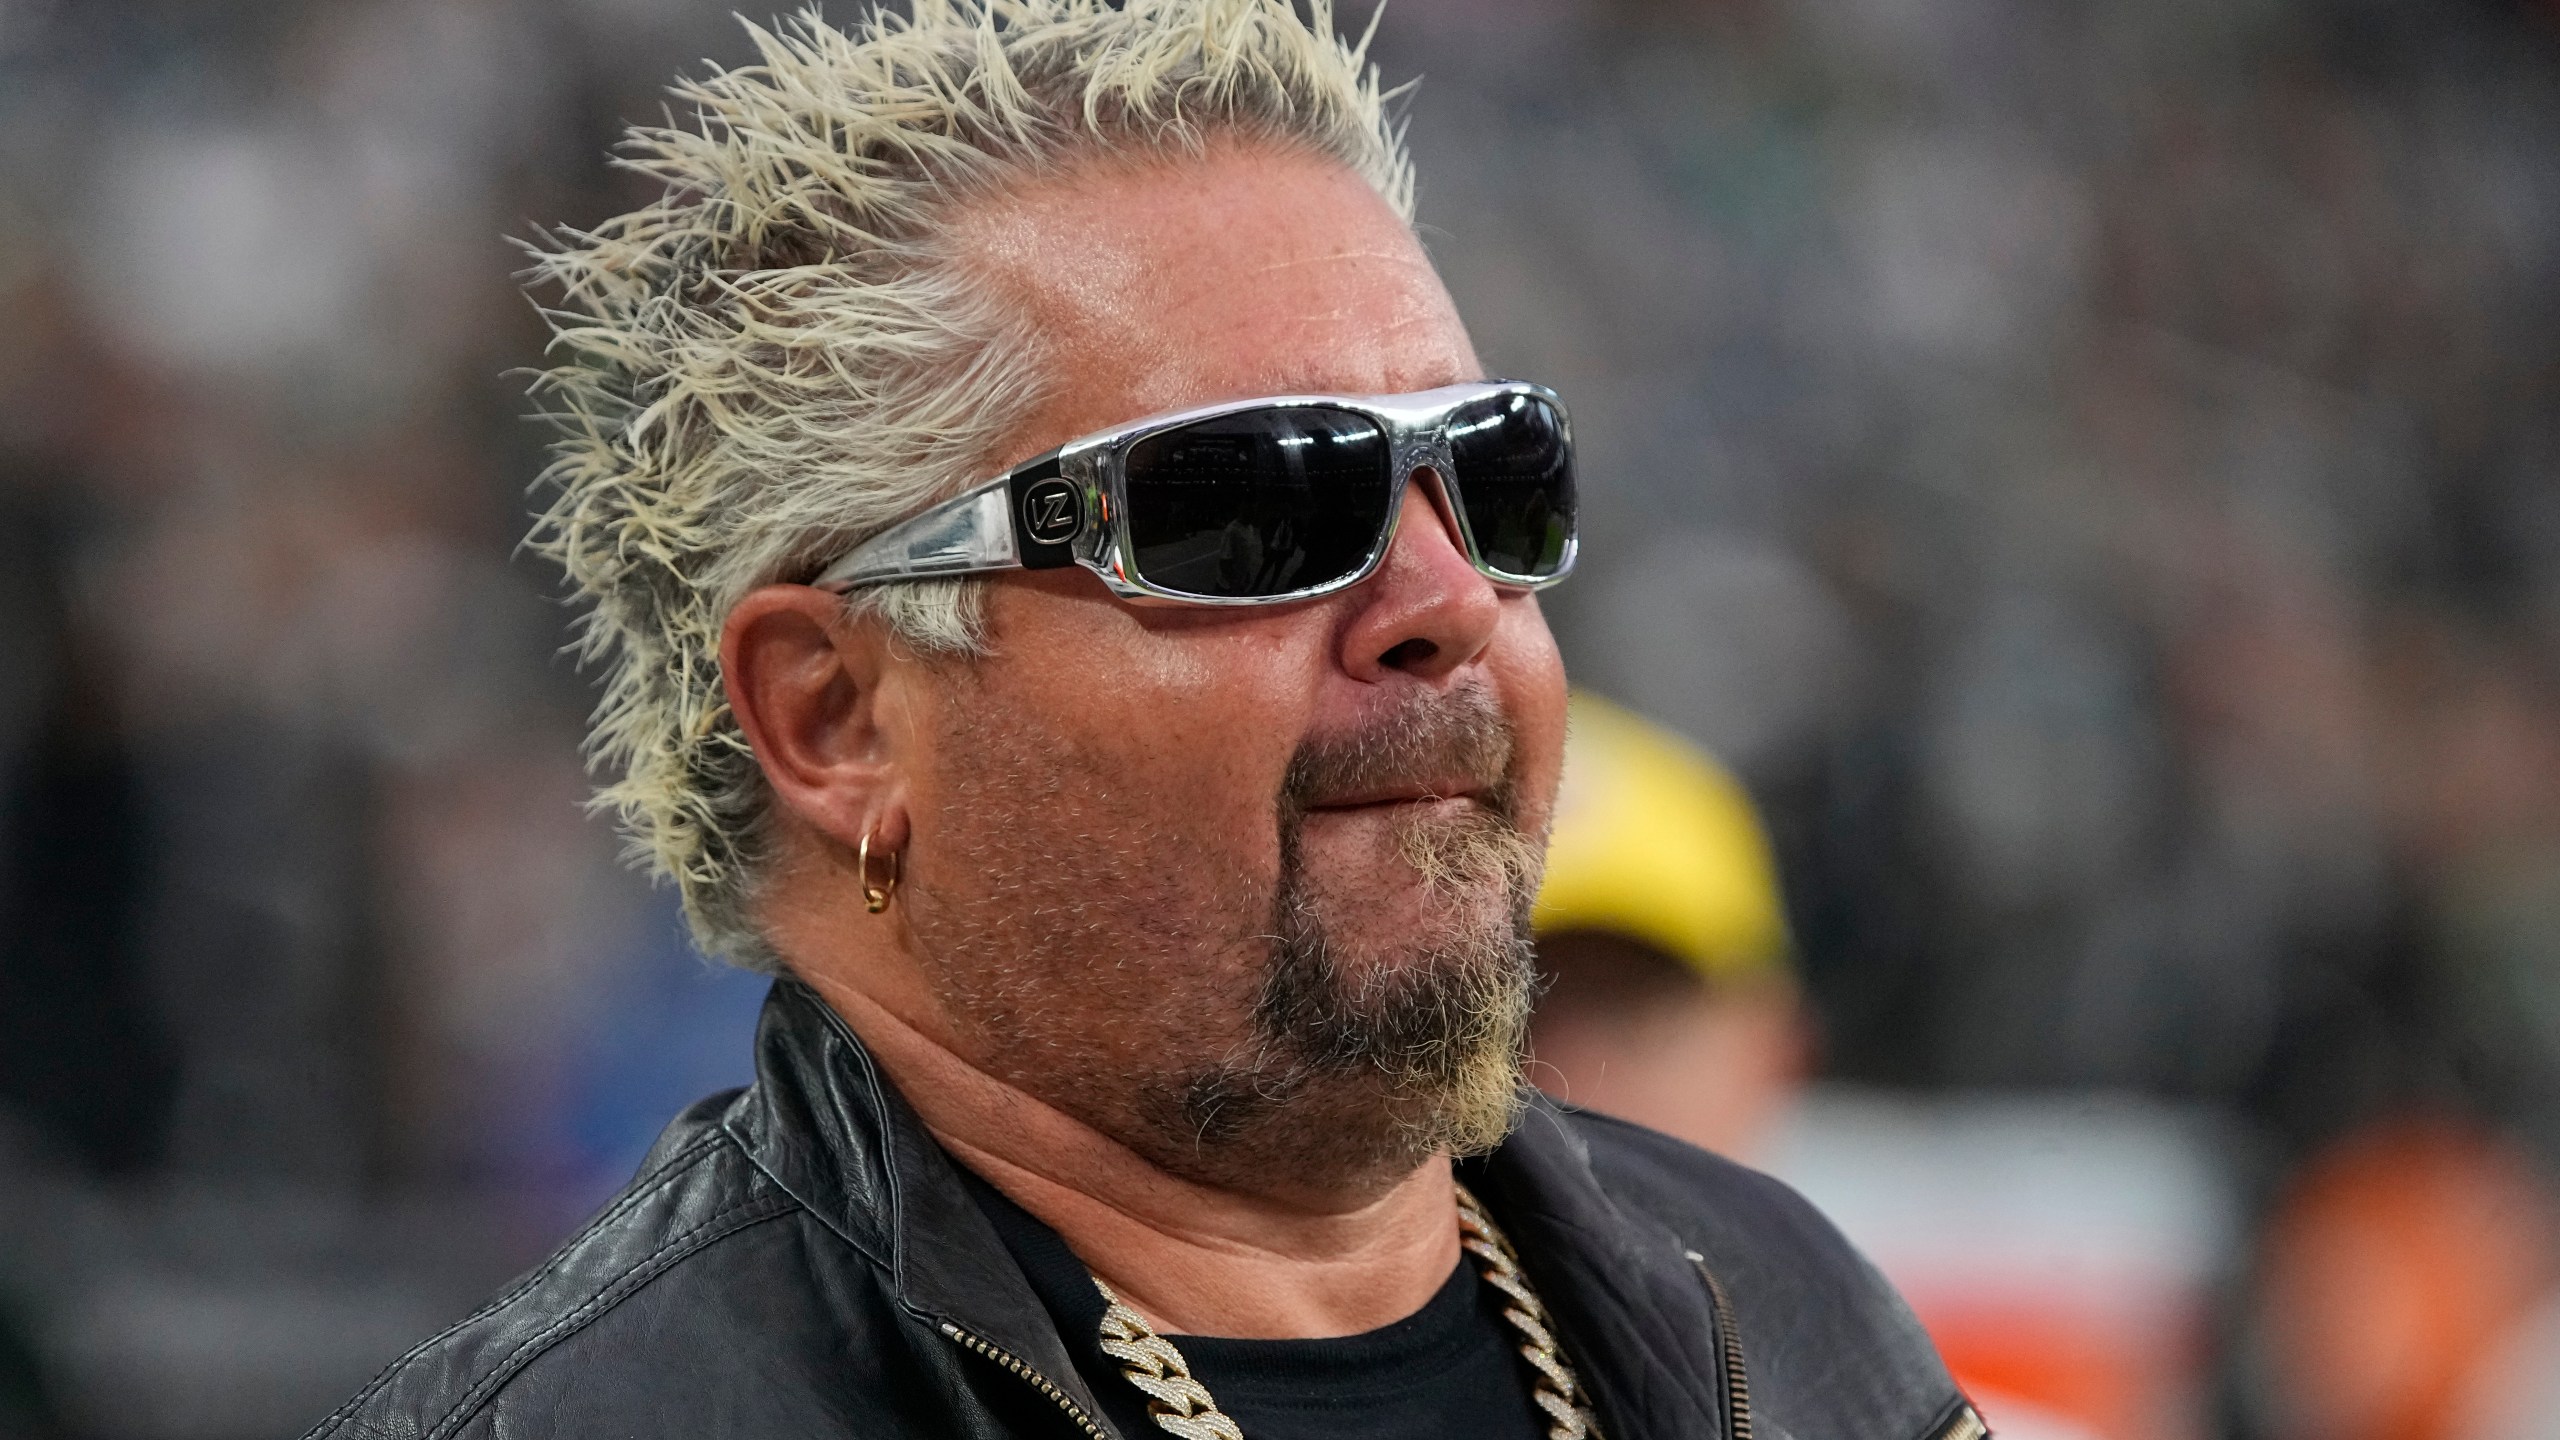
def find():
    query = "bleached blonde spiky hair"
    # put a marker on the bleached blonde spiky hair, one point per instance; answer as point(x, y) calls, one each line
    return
point(779, 358)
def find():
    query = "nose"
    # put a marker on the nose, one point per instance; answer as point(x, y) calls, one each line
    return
point(1427, 612)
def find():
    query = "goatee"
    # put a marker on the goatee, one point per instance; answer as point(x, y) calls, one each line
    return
point(1362, 1065)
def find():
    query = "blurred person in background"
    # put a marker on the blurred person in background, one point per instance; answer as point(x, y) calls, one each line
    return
point(1143, 839)
point(1671, 1000)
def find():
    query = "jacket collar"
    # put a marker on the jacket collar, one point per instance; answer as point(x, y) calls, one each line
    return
point(1631, 1304)
point(835, 1134)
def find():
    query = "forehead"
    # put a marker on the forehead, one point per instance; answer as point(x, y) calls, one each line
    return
point(1241, 271)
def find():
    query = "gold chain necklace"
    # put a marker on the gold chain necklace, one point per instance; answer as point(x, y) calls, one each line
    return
point(1182, 1405)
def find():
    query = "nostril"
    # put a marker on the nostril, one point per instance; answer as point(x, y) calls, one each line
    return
point(1411, 653)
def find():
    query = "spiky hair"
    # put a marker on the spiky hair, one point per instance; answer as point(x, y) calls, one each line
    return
point(778, 358)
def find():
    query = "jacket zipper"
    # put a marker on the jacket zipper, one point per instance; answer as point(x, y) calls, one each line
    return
point(1966, 1426)
point(1737, 1385)
point(1038, 1381)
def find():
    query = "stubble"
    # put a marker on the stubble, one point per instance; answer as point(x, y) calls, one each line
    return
point(1222, 1023)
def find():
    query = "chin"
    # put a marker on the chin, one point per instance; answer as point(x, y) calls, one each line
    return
point(1391, 927)
point(1390, 1027)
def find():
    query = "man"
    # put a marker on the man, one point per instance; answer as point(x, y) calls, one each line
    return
point(1142, 817)
point(1670, 1000)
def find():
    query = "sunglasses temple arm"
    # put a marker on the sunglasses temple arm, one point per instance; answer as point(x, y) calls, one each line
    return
point(969, 534)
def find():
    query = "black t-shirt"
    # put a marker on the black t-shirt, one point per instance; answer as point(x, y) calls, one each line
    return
point(1449, 1371)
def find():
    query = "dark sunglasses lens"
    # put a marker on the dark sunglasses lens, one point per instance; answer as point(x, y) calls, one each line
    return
point(1257, 504)
point(1515, 473)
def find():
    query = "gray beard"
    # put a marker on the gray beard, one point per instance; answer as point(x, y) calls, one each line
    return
point(1365, 1070)
point(1206, 1020)
point(1358, 1077)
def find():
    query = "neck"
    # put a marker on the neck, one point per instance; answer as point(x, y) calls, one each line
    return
point(1291, 1262)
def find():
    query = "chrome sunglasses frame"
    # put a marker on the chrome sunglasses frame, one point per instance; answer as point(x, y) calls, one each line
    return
point(1070, 506)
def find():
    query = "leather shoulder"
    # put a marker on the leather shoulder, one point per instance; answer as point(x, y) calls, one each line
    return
point(697, 1193)
point(1829, 1346)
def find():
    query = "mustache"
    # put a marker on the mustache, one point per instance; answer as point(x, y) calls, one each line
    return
point(1426, 739)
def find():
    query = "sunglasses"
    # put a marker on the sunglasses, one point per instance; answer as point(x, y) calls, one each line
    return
point(1260, 502)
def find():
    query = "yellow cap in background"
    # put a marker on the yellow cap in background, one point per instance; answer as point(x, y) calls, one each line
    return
point(1657, 842)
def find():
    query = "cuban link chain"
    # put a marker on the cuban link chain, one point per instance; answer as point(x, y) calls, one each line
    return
point(1556, 1389)
point(1183, 1406)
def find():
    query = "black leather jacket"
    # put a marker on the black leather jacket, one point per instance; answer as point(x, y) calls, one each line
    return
point(800, 1259)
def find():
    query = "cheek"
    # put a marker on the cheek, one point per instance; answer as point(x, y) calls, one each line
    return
point(1193, 724)
point(1213, 724)
point(1530, 675)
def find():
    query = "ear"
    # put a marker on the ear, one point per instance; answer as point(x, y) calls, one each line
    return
point(806, 684)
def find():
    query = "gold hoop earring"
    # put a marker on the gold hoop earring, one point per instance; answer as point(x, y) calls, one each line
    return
point(875, 895)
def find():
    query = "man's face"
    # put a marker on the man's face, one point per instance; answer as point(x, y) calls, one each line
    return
point(1246, 888)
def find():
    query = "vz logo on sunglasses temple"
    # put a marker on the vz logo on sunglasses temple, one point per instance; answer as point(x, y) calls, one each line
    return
point(1050, 514)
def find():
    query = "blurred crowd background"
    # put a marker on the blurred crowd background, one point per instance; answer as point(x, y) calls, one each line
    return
point(2091, 468)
